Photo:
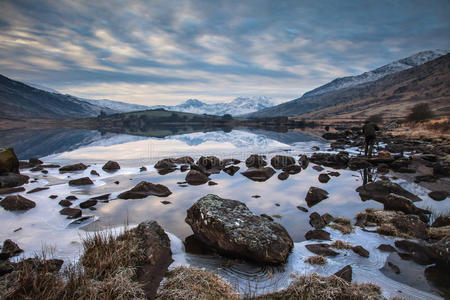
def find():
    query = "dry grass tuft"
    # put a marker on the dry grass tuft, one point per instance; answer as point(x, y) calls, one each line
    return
point(190, 283)
point(342, 224)
point(341, 245)
point(316, 260)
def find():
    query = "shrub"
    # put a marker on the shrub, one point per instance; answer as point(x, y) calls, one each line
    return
point(420, 112)
point(377, 119)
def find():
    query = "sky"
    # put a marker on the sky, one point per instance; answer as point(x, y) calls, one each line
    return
point(165, 52)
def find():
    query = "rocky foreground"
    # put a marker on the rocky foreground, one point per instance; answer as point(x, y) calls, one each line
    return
point(140, 257)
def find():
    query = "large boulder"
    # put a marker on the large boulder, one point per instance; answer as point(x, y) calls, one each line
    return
point(231, 228)
point(166, 163)
point(17, 202)
point(281, 161)
point(380, 190)
point(315, 195)
point(194, 177)
point(255, 161)
point(337, 161)
point(410, 225)
point(260, 174)
point(145, 189)
point(111, 166)
point(8, 161)
point(12, 180)
point(72, 168)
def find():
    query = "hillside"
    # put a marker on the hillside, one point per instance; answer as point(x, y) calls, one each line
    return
point(19, 101)
point(426, 82)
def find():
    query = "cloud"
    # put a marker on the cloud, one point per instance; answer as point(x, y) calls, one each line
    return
point(153, 52)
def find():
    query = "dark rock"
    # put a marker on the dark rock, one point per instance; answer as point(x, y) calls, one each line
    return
point(410, 225)
point(80, 181)
point(281, 161)
point(184, 168)
point(195, 246)
point(315, 148)
point(12, 180)
point(36, 169)
point(116, 182)
point(165, 202)
point(439, 277)
point(71, 213)
point(101, 197)
point(334, 135)
point(357, 163)
point(321, 249)
point(94, 173)
point(38, 189)
point(17, 202)
point(65, 203)
point(442, 170)
point(184, 160)
point(324, 178)
point(441, 252)
point(10, 248)
point(425, 178)
point(72, 168)
point(231, 170)
point(8, 161)
point(53, 196)
point(267, 217)
point(166, 163)
point(166, 171)
point(400, 163)
point(316, 221)
point(283, 176)
point(5, 267)
point(142, 169)
point(386, 248)
point(318, 168)
point(292, 169)
point(394, 267)
point(438, 195)
point(304, 209)
point(256, 196)
point(317, 234)
point(212, 182)
point(230, 227)
point(334, 174)
point(5, 191)
point(441, 221)
point(255, 161)
point(88, 203)
point(210, 162)
point(406, 170)
point(380, 190)
point(230, 161)
point(400, 203)
point(337, 161)
point(315, 195)
point(44, 172)
point(261, 174)
point(35, 161)
point(303, 161)
point(345, 273)
point(420, 253)
point(71, 197)
point(194, 177)
point(81, 220)
point(111, 166)
point(145, 189)
point(327, 218)
point(51, 166)
point(361, 251)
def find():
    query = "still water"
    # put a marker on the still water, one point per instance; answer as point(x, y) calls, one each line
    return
point(44, 228)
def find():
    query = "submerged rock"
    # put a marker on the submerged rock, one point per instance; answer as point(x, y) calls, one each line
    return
point(386, 248)
point(71, 213)
point(315, 195)
point(282, 161)
point(38, 189)
point(145, 189)
point(261, 174)
point(72, 168)
point(255, 161)
point(81, 181)
point(17, 202)
point(380, 190)
point(111, 166)
point(400, 203)
point(95, 173)
point(194, 177)
point(229, 226)
point(65, 203)
point(321, 249)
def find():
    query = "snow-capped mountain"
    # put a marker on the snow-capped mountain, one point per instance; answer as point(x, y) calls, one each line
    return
point(117, 105)
point(239, 106)
point(396, 66)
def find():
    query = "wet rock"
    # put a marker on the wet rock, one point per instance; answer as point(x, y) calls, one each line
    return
point(327, 218)
point(51, 166)
point(303, 161)
point(318, 168)
point(12, 180)
point(255, 161)
point(324, 178)
point(267, 217)
point(10, 249)
point(403, 204)
point(261, 174)
point(315, 195)
point(283, 176)
point(35, 161)
point(145, 189)
point(111, 166)
point(425, 178)
point(230, 161)
point(316, 221)
point(361, 251)
point(337, 161)
point(165, 202)
point(166, 163)
point(230, 227)
point(212, 182)
point(419, 253)
point(442, 170)
point(334, 135)
point(400, 163)
point(184, 168)
point(17, 202)
point(282, 161)
point(292, 169)
point(71, 197)
point(321, 249)
point(116, 182)
point(80, 181)
point(44, 172)
point(142, 169)
point(72, 168)
point(410, 225)
point(406, 170)
point(8, 161)
point(439, 277)
point(334, 174)
point(317, 234)
point(304, 209)
point(53, 196)
point(231, 170)
point(94, 173)
point(441, 221)
point(36, 169)
point(65, 203)
point(38, 189)
point(194, 177)
point(193, 245)
point(101, 197)
point(441, 251)
point(386, 248)
point(5, 191)
point(380, 190)
point(357, 163)
point(71, 213)
point(345, 273)
point(394, 267)
point(88, 203)
point(184, 160)
point(438, 195)
point(210, 162)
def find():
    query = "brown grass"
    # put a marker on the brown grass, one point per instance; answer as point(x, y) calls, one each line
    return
point(341, 245)
point(342, 224)
point(316, 260)
point(438, 128)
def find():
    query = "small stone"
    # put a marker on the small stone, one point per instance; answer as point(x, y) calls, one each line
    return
point(165, 202)
point(321, 249)
point(324, 178)
point(212, 183)
point(11, 248)
point(71, 213)
point(361, 251)
point(65, 203)
point(345, 273)
point(315, 195)
point(116, 182)
point(95, 173)
point(386, 248)
point(317, 234)
point(142, 169)
point(88, 203)
point(256, 196)
point(53, 196)
point(71, 197)
point(394, 267)
point(318, 168)
point(334, 173)
point(17, 202)
point(304, 209)
point(38, 189)
point(283, 176)
point(316, 221)
point(81, 181)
